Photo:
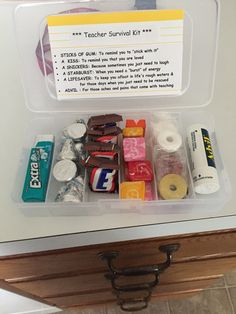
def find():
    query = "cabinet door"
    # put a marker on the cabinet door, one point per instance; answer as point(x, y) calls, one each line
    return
point(72, 275)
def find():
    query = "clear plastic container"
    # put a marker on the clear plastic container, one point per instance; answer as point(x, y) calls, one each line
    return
point(51, 115)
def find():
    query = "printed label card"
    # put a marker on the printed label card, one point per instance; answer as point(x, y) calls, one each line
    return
point(117, 54)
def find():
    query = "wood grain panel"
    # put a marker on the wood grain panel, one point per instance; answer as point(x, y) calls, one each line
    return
point(84, 299)
point(63, 263)
point(92, 283)
point(6, 286)
point(162, 291)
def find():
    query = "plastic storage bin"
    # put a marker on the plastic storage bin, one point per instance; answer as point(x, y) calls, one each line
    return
point(50, 115)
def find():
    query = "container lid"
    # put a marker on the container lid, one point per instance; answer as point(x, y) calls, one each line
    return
point(200, 34)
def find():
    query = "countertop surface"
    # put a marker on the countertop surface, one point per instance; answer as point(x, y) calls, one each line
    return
point(15, 226)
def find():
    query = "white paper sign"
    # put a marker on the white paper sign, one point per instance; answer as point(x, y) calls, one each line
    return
point(117, 54)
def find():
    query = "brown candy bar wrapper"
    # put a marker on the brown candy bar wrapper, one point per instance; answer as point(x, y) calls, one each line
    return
point(114, 130)
point(104, 139)
point(102, 163)
point(99, 146)
point(103, 119)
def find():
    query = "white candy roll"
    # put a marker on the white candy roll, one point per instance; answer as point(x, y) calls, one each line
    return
point(204, 173)
point(161, 116)
point(169, 141)
point(164, 125)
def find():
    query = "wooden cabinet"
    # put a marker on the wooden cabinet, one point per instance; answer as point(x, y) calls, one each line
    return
point(75, 277)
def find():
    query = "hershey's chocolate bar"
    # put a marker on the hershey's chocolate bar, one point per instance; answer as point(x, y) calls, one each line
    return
point(103, 119)
point(99, 162)
point(106, 131)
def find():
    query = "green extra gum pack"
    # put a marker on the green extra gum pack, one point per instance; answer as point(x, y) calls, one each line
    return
point(38, 170)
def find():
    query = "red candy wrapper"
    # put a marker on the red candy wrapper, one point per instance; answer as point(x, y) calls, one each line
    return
point(140, 170)
point(126, 172)
point(109, 155)
point(107, 139)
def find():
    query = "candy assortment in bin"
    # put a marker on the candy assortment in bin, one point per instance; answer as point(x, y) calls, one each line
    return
point(68, 169)
point(102, 161)
point(170, 160)
point(138, 170)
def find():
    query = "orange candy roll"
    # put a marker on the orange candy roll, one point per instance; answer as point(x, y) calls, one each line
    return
point(132, 190)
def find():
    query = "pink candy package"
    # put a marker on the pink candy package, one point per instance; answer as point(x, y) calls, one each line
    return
point(134, 149)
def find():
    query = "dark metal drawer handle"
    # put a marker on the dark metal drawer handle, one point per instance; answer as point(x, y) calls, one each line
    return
point(109, 257)
point(134, 287)
point(156, 270)
point(133, 305)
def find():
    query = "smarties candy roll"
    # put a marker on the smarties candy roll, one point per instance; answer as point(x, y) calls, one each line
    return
point(38, 170)
point(204, 173)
